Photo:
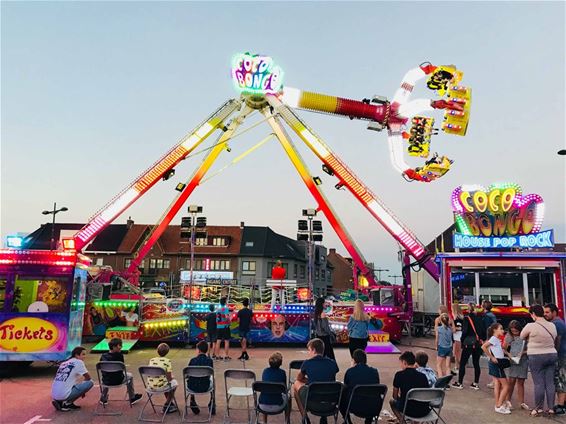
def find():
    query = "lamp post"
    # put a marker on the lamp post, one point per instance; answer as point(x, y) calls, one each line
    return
point(54, 212)
point(379, 271)
point(194, 222)
point(310, 231)
point(395, 278)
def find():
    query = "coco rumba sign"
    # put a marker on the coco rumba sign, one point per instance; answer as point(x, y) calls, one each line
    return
point(499, 216)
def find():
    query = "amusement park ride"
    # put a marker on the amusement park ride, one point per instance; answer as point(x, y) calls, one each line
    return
point(260, 83)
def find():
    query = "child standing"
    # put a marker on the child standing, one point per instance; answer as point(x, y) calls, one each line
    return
point(517, 371)
point(457, 347)
point(494, 350)
point(444, 340)
point(211, 330)
point(161, 382)
point(244, 323)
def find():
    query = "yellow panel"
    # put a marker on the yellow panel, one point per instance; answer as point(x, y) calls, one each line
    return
point(320, 102)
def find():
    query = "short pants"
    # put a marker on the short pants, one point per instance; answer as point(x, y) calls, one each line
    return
point(496, 371)
point(444, 352)
point(212, 337)
point(224, 334)
point(245, 334)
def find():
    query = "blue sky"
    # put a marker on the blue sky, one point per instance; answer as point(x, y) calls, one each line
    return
point(93, 93)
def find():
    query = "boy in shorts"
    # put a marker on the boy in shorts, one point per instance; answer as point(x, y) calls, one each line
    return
point(223, 325)
point(211, 331)
point(159, 382)
point(244, 319)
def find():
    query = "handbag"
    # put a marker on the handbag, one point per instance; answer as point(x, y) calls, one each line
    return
point(503, 363)
point(469, 340)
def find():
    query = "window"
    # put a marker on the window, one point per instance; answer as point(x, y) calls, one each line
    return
point(322, 274)
point(249, 244)
point(295, 269)
point(201, 241)
point(99, 261)
point(302, 271)
point(159, 263)
point(219, 241)
point(128, 262)
point(220, 265)
point(316, 273)
point(248, 267)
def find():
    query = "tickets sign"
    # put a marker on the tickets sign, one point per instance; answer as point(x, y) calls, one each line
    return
point(256, 74)
point(28, 335)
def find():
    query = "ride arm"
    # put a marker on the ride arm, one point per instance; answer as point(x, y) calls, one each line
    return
point(364, 195)
point(152, 175)
point(190, 186)
point(319, 196)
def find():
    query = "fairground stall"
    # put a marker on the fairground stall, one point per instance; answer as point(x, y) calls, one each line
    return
point(499, 253)
point(42, 297)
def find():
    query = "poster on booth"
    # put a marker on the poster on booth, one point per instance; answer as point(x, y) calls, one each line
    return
point(499, 217)
point(33, 337)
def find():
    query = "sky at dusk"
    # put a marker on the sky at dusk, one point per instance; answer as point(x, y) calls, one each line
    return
point(94, 93)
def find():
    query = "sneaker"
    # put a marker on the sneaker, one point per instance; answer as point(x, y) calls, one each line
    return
point(241, 357)
point(194, 407)
point(170, 408)
point(135, 399)
point(509, 405)
point(226, 359)
point(502, 410)
point(70, 407)
point(490, 385)
point(475, 386)
point(57, 404)
point(246, 356)
point(457, 385)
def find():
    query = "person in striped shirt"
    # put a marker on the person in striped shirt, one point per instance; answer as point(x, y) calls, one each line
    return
point(223, 330)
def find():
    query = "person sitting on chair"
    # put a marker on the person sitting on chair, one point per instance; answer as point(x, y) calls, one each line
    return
point(274, 374)
point(406, 379)
point(360, 373)
point(116, 378)
point(200, 384)
point(316, 369)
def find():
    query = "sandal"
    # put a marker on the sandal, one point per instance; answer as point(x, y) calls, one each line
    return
point(537, 412)
point(525, 406)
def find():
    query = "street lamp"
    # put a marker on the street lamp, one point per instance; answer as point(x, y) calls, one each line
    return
point(395, 278)
point(379, 271)
point(310, 231)
point(54, 212)
point(188, 230)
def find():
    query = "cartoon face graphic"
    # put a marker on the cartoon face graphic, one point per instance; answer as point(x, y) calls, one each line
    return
point(278, 325)
point(38, 307)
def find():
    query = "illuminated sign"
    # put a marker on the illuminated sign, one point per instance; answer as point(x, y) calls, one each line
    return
point(500, 216)
point(542, 239)
point(204, 276)
point(256, 74)
point(27, 335)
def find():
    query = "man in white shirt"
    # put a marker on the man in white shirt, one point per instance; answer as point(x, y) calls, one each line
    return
point(67, 385)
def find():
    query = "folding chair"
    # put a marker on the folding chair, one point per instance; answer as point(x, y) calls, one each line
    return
point(435, 399)
point(274, 389)
point(366, 401)
point(238, 391)
point(323, 400)
point(110, 367)
point(443, 382)
point(156, 372)
point(203, 373)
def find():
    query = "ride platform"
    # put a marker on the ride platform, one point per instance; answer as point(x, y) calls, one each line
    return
point(129, 335)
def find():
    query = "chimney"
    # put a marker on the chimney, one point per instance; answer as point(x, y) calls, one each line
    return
point(242, 225)
point(129, 223)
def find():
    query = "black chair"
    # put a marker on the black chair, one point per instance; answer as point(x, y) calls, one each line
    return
point(323, 400)
point(203, 373)
point(110, 367)
point(268, 388)
point(443, 382)
point(366, 401)
point(435, 399)
point(294, 365)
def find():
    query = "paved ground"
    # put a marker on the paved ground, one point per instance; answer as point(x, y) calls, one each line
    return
point(25, 395)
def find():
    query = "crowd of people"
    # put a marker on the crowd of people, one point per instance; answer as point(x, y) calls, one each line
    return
point(539, 346)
